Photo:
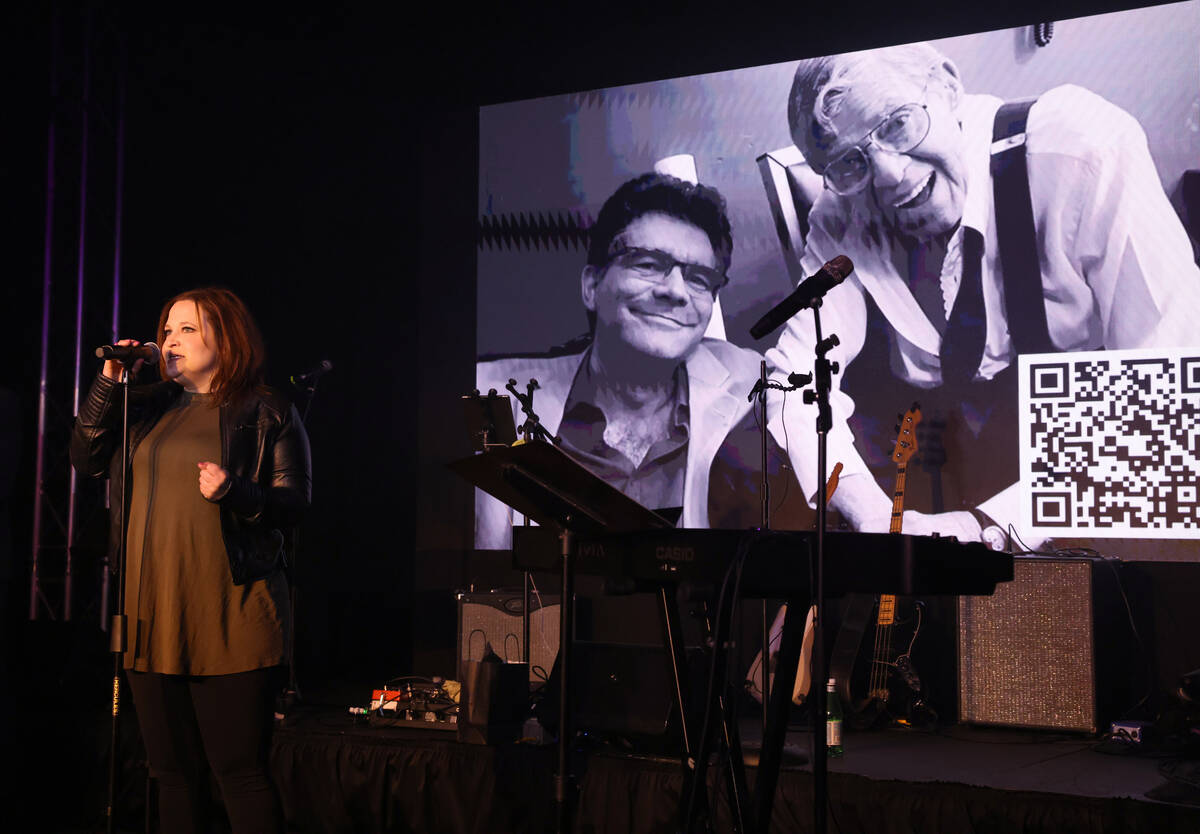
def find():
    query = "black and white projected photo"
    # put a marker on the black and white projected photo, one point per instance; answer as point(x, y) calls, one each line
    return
point(1016, 193)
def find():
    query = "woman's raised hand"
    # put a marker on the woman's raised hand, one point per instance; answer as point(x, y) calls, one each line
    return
point(112, 368)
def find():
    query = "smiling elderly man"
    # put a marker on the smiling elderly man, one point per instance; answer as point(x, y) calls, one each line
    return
point(979, 230)
point(650, 405)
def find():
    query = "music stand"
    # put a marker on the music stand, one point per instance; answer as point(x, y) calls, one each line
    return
point(489, 420)
point(547, 485)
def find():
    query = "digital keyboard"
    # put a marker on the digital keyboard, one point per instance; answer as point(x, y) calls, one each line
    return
point(774, 563)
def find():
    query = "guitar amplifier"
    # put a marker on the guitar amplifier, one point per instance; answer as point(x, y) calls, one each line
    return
point(1053, 649)
point(494, 619)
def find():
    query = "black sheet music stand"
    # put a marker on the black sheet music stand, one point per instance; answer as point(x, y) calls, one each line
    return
point(489, 420)
point(540, 480)
point(490, 424)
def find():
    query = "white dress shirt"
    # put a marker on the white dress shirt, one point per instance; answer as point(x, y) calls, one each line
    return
point(1117, 266)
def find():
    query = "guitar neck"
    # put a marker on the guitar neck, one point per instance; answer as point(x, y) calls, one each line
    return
point(898, 500)
point(906, 446)
point(887, 602)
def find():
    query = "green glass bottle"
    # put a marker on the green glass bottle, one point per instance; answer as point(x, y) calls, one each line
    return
point(833, 721)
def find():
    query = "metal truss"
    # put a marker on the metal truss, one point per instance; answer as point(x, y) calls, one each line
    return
point(85, 159)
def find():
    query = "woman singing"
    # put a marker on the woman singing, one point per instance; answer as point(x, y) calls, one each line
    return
point(219, 471)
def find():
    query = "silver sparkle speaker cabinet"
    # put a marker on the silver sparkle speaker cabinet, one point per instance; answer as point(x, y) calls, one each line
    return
point(494, 618)
point(1053, 649)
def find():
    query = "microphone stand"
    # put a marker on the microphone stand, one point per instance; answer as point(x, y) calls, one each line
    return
point(117, 632)
point(765, 524)
point(291, 693)
point(564, 786)
point(823, 371)
point(531, 429)
point(795, 381)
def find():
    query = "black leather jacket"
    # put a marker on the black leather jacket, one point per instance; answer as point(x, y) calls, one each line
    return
point(263, 446)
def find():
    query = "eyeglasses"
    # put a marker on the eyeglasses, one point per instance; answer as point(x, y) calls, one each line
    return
point(899, 132)
point(654, 265)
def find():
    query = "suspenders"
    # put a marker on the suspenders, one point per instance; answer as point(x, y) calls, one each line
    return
point(1016, 234)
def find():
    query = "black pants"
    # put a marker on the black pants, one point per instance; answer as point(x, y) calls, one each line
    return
point(224, 719)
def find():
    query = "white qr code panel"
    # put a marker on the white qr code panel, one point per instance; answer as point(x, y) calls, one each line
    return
point(1110, 443)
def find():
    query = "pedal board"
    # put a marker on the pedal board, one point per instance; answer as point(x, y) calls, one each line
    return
point(416, 706)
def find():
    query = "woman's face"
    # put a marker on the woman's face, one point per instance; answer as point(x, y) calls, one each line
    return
point(189, 347)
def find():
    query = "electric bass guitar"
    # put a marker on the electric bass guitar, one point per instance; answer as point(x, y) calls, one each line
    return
point(893, 687)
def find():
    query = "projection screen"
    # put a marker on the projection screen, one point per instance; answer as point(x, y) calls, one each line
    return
point(1076, 423)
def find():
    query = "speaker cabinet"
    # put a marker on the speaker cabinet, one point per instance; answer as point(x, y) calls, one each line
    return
point(626, 692)
point(494, 619)
point(1053, 649)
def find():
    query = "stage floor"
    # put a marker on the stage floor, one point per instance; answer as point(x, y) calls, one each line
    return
point(337, 776)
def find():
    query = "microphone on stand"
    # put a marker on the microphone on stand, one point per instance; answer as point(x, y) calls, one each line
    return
point(310, 378)
point(811, 290)
point(129, 354)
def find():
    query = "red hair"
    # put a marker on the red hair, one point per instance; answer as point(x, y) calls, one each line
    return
point(234, 336)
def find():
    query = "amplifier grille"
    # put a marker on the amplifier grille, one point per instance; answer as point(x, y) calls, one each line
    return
point(1027, 653)
point(495, 619)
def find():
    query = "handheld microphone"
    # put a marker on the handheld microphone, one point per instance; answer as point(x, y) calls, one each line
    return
point(810, 290)
point(310, 378)
point(129, 354)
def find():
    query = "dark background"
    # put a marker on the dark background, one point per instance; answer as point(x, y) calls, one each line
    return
point(323, 165)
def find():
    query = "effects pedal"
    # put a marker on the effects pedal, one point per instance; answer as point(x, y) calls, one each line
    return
point(416, 705)
point(1129, 732)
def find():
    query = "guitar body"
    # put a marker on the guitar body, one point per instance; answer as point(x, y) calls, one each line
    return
point(888, 691)
point(882, 686)
point(754, 680)
point(800, 688)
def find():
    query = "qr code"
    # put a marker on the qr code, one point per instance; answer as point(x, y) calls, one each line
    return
point(1110, 443)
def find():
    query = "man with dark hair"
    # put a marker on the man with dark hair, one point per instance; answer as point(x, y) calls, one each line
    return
point(699, 205)
point(650, 405)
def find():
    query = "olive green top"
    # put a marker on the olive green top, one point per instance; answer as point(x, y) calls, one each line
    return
point(186, 617)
